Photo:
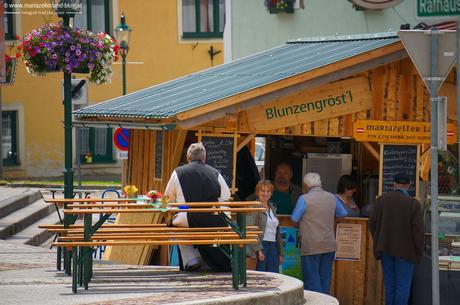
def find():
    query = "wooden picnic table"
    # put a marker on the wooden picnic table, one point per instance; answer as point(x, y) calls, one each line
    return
point(88, 207)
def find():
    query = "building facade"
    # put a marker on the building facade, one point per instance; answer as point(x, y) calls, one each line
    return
point(256, 27)
point(167, 41)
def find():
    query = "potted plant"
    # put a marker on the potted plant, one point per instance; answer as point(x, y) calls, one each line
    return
point(55, 47)
point(280, 6)
point(11, 63)
point(10, 69)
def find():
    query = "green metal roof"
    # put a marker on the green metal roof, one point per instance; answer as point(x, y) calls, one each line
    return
point(198, 89)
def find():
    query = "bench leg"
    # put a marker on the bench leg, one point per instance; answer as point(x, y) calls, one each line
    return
point(58, 258)
point(90, 254)
point(242, 264)
point(67, 261)
point(235, 266)
point(80, 266)
point(86, 265)
point(75, 268)
point(87, 255)
point(241, 222)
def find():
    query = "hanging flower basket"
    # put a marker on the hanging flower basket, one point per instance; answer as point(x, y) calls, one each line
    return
point(280, 6)
point(54, 47)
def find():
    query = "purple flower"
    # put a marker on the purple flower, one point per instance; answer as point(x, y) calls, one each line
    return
point(78, 52)
point(72, 47)
point(67, 54)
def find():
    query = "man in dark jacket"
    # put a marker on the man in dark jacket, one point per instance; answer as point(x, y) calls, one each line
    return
point(396, 225)
point(199, 182)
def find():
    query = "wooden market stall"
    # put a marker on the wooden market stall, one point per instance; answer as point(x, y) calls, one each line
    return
point(320, 88)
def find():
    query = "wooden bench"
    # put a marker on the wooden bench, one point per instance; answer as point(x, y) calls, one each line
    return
point(80, 239)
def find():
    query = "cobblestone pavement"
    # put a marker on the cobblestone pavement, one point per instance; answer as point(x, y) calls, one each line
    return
point(28, 276)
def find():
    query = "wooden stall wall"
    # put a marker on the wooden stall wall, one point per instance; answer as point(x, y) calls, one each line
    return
point(397, 93)
point(142, 154)
point(358, 282)
point(141, 172)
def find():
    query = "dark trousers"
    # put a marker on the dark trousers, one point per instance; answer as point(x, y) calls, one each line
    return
point(317, 271)
point(397, 278)
point(271, 261)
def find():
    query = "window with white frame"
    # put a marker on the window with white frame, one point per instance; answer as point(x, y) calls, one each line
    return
point(94, 17)
point(94, 145)
point(203, 18)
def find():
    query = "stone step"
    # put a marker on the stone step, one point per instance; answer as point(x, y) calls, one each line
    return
point(315, 298)
point(22, 218)
point(33, 235)
point(13, 199)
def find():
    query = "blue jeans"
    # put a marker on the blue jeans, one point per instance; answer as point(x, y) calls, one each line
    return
point(397, 278)
point(317, 271)
point(271, 261)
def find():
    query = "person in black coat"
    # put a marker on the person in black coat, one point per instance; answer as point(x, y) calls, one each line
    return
point(199, 182)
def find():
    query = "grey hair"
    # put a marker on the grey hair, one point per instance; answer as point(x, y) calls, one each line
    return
point(312, 179)
point(196, 151)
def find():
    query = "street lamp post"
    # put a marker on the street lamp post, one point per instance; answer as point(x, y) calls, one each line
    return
point(67, 9)
point(122, 33)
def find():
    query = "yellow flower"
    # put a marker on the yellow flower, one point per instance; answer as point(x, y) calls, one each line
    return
point(131, 190)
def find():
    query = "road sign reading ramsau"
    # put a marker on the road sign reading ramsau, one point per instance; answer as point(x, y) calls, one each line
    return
point(433, 8)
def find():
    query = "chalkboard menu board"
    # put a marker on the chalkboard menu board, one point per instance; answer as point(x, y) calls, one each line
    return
point(220, 155)
point(397, 159)
point(158, 153)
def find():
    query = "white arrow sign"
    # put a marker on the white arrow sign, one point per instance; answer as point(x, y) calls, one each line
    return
point(418, 46)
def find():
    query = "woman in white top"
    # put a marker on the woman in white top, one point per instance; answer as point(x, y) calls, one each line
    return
point(269, 250)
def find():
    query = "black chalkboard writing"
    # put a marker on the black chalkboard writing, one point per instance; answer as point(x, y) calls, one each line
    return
point(219, 154)
point(397, 159)
point(158, 153)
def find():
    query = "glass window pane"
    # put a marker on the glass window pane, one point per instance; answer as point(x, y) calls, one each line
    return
point(80, 20)
point(206, 18)
point(9, 152)
point(7, 144)
point(83, 140)
point(100, 141)
point(8, 21)
point(98, 16)
point(221, 15)
point(188, 16)
point(5, 19)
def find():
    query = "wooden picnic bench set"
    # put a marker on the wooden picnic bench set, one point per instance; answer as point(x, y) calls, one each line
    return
point(77, 242)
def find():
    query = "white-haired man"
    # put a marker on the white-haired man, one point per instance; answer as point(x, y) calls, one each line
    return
point(199, 182)
point(314, 214)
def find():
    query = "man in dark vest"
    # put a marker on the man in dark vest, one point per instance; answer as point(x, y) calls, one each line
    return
point(199, 182)
point(396, 225)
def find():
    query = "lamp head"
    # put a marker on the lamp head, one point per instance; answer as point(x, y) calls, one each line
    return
point(122, 33)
